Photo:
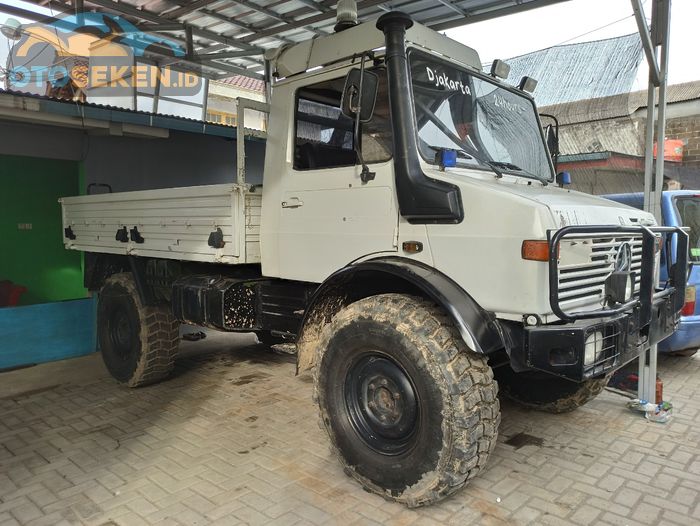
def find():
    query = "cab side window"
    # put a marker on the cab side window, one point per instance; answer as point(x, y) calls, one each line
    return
point(324, 136)
point(377, 141)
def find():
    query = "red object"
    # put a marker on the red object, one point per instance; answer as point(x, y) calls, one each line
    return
point(10, 293)
point(688, 308)
point(673, 150)
point(689, 305)
point(659, 391)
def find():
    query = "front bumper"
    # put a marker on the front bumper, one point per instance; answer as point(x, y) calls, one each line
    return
point(592, 343)
point(612, 342)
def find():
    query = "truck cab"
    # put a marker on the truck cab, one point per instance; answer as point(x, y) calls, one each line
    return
point(410, 238)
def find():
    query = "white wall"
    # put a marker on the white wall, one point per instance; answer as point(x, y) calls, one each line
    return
point(222, 97)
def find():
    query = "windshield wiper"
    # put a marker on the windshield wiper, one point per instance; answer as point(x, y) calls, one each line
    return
point(495, 167)
point(516, 168)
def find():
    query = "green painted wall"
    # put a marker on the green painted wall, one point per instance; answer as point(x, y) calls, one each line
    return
point(36, 259)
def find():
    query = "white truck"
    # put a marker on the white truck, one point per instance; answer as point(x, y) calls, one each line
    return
point(410, 237)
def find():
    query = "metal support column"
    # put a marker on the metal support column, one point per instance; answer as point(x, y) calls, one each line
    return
point(243, 104)
point(655, 43)
point(205, 104)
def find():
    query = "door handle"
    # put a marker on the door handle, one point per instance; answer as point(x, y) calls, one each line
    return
point(292, 202)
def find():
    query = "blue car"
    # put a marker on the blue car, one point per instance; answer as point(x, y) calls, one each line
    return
point(679, 208)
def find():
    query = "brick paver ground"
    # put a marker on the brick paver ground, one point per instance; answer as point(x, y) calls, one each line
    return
point(233, 438)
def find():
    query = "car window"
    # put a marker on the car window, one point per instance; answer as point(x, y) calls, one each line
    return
point(324, 136)
point(689, 212)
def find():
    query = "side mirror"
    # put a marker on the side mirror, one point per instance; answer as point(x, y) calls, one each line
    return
point(552, 138)
point(353, 99)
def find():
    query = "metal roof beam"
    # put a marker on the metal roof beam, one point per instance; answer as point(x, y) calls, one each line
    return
point(273, 31)
point(125, 9)
point(188, 8)
point(246, 27)
point(488, 15)
point(223, 55)
point(197, 63)
point(647, 43)
point(277, 16)
point(449, 4)
point(156, 28)
point(315, 5)
point(25, 13)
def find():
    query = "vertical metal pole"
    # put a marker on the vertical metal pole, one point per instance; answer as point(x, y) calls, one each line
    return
point(205, 102)
point(134, 87)
point(268, 80)
point(661, 22)
point(189, 42)
point(79, 12)
point(268, 91)
point(240, 141)
point(663, 28)
point(649, 146)
point(156, 90)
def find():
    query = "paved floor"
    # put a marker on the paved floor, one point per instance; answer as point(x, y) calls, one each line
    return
point(233, 438)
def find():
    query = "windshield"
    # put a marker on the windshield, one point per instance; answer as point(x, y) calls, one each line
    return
point(689, 212)
point(489, 126)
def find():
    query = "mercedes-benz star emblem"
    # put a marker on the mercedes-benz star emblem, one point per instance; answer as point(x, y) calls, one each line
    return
point(623, 258)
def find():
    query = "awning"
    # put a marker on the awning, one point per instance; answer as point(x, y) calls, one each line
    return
point(226, 37)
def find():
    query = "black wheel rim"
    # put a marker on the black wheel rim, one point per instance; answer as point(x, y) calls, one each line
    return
point(382, 404)
point(121, 332)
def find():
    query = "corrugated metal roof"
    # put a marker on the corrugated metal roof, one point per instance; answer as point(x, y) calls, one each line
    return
point(229, 36)
point(616, 106)
point(608, 123)
point(587, 70)
point(243, 82)
point(84, 111)
point(621, 135)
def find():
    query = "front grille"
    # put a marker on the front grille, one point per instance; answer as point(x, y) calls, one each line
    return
point(585, 261)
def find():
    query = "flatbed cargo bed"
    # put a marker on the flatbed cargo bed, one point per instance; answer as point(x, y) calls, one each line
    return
point(213, 223)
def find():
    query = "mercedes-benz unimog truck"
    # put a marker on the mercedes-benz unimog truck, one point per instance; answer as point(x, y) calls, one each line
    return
point(410, 238)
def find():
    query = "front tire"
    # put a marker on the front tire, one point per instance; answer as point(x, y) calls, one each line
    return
point(411, 412)
point(138, 342)
point(547, 393)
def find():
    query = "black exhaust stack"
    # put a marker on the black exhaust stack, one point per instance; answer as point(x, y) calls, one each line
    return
point(421, 199)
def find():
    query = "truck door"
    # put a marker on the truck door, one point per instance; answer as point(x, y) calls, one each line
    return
point(329, 217)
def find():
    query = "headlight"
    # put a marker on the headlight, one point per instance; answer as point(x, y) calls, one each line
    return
point(619, 287)
point(593, 347)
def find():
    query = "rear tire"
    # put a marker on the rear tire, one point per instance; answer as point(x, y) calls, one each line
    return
point(547, 393)
point(138, 342)
point(411, 412)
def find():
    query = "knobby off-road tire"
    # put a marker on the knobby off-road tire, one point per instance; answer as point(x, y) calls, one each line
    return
point(411, 412)
point(547, 393)
point(138, 342)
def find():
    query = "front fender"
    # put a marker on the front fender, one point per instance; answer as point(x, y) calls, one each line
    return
point(479, 328)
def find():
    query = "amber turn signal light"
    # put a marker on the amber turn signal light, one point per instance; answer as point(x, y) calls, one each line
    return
point(535, 250)
point(412, 247)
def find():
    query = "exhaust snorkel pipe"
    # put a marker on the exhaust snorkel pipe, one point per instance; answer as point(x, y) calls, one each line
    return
point(421, 199)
